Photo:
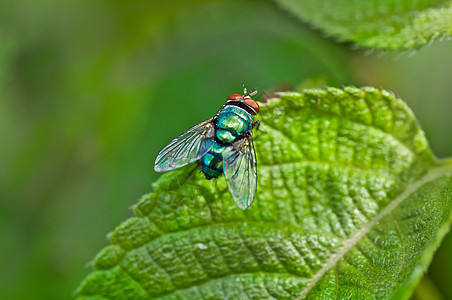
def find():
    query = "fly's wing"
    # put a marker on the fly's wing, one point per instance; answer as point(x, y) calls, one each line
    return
point(239, 167)
point(186, 148)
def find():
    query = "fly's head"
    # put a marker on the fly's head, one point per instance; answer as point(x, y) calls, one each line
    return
point(245, 100)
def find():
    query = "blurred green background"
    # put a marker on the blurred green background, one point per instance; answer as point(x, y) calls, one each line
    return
point(91, 90)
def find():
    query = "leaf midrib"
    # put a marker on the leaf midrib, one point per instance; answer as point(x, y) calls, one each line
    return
point(351, 242)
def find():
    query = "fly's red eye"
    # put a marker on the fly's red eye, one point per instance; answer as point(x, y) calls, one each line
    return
point(253, 104)
point(234, 97)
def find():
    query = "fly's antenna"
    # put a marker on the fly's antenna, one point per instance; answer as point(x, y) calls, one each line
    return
point(245, 93)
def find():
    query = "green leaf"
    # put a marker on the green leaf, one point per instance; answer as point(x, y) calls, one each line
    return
point(351, 203)
point(384, 24)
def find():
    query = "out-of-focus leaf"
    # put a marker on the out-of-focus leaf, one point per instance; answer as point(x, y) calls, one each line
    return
point(351, 203)
point(387, 24)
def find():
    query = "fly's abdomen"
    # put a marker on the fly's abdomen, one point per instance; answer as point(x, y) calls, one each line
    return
point(212, 161)
point(231, 123)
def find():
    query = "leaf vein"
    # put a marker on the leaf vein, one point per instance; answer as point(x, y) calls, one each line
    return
point(350, 242)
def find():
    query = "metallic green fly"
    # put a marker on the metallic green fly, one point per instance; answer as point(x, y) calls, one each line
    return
point(222, 144)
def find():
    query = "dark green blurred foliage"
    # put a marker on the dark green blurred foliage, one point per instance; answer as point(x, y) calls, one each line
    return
point(90, 91)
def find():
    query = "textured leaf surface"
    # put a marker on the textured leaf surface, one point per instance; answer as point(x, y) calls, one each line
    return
point(351, 203)
point(385, 24)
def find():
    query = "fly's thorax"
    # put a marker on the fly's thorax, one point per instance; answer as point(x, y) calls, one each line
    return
point(225, 136)
point(231, 123)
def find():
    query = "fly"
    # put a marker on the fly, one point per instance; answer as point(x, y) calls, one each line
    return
point(222, 145)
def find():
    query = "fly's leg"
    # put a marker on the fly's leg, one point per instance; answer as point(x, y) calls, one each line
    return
point(256, 125)
point(191, 173)
point(219, 189)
